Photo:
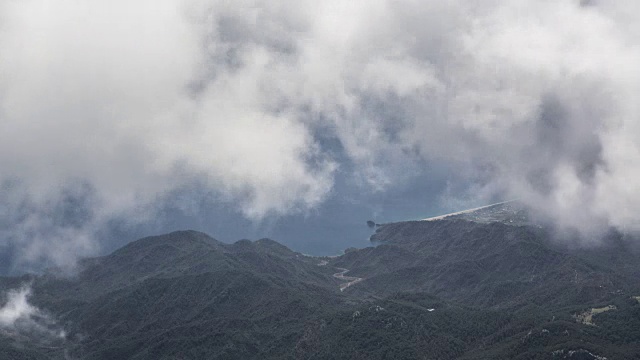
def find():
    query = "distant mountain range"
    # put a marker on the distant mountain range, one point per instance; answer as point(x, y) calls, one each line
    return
point(485, 284)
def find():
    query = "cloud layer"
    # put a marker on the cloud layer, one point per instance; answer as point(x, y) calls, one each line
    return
point(107, 108)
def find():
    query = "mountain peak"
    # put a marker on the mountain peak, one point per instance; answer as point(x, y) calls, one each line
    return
point(182, 239)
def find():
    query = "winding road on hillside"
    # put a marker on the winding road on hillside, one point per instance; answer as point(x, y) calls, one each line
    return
point(351, 280)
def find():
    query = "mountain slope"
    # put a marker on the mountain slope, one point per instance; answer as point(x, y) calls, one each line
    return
point(126, 304)
point(493, 264)
point(452, 288)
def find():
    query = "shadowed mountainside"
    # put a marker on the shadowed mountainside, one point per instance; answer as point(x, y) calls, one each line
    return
point(493, 264)
point(453, 288)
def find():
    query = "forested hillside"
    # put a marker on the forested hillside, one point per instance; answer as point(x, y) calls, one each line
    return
point(453, 288)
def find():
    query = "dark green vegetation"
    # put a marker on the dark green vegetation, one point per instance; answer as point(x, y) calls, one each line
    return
point(456, 288)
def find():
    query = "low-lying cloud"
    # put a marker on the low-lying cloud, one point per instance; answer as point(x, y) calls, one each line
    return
point(17, 315)
point(109, 107)
point(16, 307)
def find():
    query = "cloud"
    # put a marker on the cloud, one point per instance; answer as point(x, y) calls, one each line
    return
point(108, 108)
point(16, 307)
point(18, 315)
point(129, 102)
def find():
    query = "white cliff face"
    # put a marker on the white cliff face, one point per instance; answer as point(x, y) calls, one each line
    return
point(509, 212)
point(468, 211)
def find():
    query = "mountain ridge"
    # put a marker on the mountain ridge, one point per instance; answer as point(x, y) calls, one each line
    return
point(452, 288)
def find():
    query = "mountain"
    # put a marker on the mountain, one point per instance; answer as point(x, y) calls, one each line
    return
point(493, 264)
point(484, 284)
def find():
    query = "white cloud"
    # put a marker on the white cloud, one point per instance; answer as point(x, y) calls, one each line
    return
point(18, 314)
point(534, 99)
point(17, 307)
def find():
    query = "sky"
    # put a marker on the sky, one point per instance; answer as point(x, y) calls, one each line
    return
point(301, 120)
